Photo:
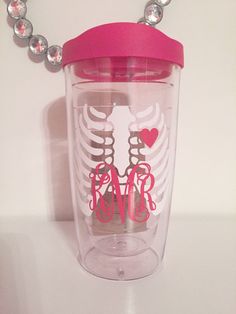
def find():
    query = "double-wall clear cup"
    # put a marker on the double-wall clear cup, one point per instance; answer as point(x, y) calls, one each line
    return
point(122, 83)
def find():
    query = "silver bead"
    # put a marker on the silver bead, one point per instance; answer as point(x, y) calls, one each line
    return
point(54, 55)
point(143, 21)
point(163, 3)
point(38, 44)
point(23, 28)
point(153, 13)
point(16, 9)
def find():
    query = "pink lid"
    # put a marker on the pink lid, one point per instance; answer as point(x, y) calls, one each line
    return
point(123, 40)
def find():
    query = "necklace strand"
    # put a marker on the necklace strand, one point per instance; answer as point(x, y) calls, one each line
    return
point(38, 44)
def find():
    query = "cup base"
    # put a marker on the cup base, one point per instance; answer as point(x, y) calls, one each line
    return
point(121, 267)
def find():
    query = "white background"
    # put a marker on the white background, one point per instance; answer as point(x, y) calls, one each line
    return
point(34, 176)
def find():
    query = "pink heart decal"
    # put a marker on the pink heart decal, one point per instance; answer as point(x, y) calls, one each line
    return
point(149, 137)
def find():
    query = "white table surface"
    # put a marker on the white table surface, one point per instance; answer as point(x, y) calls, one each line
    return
point(39, 273)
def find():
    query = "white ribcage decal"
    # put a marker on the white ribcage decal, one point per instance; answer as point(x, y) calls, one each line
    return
point(113, 137)
point(93, 144)
point(156, 156)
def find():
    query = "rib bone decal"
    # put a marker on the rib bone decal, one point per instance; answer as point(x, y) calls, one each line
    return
point(94, 144)
point(157, 156)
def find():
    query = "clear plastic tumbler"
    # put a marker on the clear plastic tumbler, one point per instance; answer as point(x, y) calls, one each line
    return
point(122, 84)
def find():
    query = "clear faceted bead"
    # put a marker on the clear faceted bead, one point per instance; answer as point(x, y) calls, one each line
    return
point(163, 2)
point(54, 55)
point(16, 9)
point(153, 13)
point(23, 28)
point(38, 44)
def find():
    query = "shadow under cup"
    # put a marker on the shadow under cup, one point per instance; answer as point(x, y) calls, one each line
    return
point(122, 120)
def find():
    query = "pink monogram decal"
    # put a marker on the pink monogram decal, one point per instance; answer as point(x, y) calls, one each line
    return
point(105, 178)
point(149, 137)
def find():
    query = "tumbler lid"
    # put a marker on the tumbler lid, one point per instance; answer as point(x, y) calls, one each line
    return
point(123, 40)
